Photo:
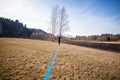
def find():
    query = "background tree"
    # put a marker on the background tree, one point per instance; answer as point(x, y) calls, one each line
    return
point(63, 21)
point(54, 20)
point(10, 28)
point(59, 21)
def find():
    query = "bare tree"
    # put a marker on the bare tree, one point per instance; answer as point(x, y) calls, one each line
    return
point(58, 22)
point(54, 20)
point(63, 21)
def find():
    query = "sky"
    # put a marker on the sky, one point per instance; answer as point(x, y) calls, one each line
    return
point(86, 17)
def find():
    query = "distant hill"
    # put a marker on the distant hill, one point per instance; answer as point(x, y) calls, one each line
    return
point(10, 28)
point(38, 30)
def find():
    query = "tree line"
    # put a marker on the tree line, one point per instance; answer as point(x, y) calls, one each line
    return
point(102, 37)
point(10, 28)
point(58, 25)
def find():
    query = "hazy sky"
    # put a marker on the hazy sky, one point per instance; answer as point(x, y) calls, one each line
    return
point(86, 17)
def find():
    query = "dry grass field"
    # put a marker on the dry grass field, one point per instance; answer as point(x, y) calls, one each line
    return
point(25, 59)
point(103, 45)
point(107, 42)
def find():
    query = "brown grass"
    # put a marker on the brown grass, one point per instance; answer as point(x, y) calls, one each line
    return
point(81, 63)
point(107, 42)
point(26, 59)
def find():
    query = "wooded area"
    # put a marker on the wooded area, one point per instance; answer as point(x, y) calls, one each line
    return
point(16, 29)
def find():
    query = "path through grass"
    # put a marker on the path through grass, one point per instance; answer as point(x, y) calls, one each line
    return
point(26, 59)
point(81, 63)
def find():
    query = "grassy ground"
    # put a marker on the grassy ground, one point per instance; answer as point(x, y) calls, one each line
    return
point(26, 59)
point(107, 42)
